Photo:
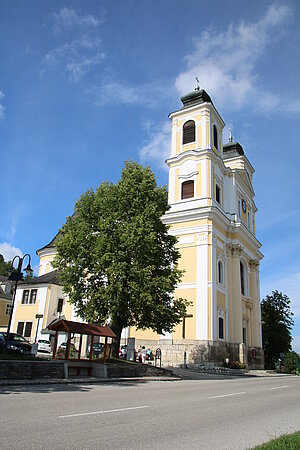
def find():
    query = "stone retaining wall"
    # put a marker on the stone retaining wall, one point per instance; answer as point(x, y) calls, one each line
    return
point(214, 352)
point(30, 370)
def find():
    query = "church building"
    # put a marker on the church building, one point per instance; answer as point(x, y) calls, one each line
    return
point(212, 214)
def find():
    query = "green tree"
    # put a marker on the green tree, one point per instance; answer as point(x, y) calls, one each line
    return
point(117, 261)
point(4, 266)
point(277, 324)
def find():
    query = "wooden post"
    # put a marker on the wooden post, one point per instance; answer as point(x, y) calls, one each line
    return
point(55, 345)
point(105, 351)
point(91, 349)
point(80, 345)
point(68, 346)
point(187, 316)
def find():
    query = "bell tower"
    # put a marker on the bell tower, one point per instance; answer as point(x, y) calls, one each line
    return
point(196, 139)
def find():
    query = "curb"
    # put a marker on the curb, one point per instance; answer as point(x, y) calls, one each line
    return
point(83, 380)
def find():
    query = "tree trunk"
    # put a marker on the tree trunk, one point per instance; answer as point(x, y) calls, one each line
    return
point(117, 327)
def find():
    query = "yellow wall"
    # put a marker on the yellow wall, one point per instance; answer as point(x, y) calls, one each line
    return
point(190, 323)
point(3, 317)
point(188, 262)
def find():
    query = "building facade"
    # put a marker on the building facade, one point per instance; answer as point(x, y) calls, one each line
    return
point(212, 214)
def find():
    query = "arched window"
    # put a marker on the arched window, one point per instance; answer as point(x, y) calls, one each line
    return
point(243, 278)
point(187, 189)
point(215, 133)
point(220, 272)
point(221, 328)
point(188, 132)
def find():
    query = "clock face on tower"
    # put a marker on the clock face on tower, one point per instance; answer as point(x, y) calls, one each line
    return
point(244, 206)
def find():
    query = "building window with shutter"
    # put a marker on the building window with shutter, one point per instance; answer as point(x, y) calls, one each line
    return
point(188, 134)
point(25, 297)
point(187, 189)
point(20, 328)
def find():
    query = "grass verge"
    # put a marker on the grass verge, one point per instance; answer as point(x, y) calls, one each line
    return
point(286, 442)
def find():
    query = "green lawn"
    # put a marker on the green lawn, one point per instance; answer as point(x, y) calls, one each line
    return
point(290, 442)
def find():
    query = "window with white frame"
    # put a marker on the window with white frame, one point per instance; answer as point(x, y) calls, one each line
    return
point(29, 296)
point(220, 272)
point(245, 331)
point(243, 277)
point(188, 132)
point(218, 194)
point(239, 208)
point(221, 324)
point(8, 309)
point(215, 136)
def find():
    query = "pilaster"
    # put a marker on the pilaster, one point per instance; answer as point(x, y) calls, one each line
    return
point(254, 289)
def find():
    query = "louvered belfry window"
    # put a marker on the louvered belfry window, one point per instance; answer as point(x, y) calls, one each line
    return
point(187, 189)
point(188, 132)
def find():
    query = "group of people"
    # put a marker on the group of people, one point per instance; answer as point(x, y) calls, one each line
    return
point(144, 354)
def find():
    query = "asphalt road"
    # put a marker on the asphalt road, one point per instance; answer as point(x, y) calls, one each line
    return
point(190, 414)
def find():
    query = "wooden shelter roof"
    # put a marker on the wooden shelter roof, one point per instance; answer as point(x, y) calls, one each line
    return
point(69, 326)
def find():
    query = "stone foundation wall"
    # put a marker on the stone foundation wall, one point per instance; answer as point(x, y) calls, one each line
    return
point(214, 352)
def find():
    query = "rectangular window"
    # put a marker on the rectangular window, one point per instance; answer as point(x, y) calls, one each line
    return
point(25, 297)
point(27, 332)
point(218, 194)
point(60, 305)
point(221, 328)
point(20, 328)
point(8, 309)
point(239, 208)
point(33, 294)
point(187, 189)
point(244, 331)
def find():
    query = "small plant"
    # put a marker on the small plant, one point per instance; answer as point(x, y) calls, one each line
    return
point(234, 365)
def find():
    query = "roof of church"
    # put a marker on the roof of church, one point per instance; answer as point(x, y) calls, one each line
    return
point(195, 98)
point(232, 149)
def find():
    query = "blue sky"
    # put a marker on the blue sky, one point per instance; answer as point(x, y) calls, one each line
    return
point(87, 85)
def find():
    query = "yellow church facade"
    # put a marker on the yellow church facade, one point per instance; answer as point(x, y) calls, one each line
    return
point(212, 214)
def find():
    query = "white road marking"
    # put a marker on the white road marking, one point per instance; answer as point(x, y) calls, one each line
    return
point(103, 412)
point(279, 387)
point(228, 395)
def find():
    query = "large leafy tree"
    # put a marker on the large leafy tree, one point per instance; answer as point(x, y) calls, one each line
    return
point(118, 263)
point(277, 324)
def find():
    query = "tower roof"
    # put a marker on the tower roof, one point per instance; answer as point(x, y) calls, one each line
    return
point(232, 149)
point(195, 98)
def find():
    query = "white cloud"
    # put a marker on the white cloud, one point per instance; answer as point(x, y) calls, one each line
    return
point(226, 62)
point(158, 147)
point(146, 95)
point(80, 49)
point(9, 251)
point(68, 18)
point(1, 106)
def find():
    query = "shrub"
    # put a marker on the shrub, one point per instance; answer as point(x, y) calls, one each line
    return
point(290, 362)
point(235, 365)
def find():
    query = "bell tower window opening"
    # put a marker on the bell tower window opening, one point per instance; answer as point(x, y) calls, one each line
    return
point(215, 136)
point(188, 132)
point(218, 194)
point(187, 189)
